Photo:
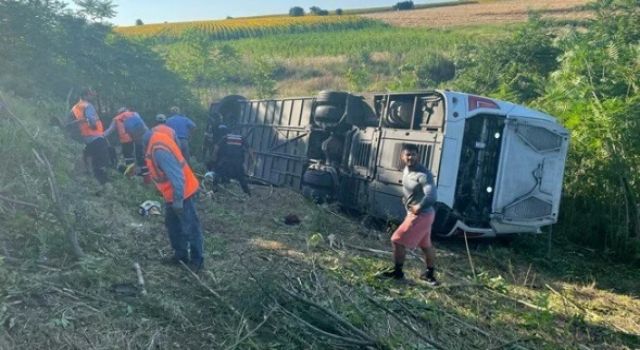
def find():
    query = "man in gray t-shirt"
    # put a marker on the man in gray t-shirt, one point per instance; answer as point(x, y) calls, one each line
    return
point(419, 195)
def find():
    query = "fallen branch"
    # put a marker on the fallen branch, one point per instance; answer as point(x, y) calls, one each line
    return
point(473, 269)
point(521, 302)
point(17, 201)
point(325, 333)
point(364, 249)
point(136, 266)
point(152, 342)
point(251, 332)
point(332, 314)
point(213, 292)
point(432, 343)
point(466, 324)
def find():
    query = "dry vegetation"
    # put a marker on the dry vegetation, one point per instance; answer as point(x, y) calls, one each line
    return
point(507, 11)
point(269, 285)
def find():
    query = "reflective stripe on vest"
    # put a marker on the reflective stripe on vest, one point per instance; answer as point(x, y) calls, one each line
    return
point(160, 140)
point(119, 120)
point(86, 130)
point(233, 140)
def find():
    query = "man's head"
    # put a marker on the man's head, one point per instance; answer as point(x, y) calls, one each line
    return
point(88, 94)
point(135, 127)
point(409, 155)
point(161, 118)
point(174, 110)
point(122, 110)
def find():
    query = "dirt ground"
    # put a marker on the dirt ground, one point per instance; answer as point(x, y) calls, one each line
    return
point(507, 11)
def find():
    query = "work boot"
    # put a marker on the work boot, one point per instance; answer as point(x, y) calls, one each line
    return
point(172, 261)
point(391, 272)
point(429, 276)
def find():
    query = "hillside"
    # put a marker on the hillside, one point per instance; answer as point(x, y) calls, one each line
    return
point(269, 285)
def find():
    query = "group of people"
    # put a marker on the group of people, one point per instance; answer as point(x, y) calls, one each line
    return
point(162, 153)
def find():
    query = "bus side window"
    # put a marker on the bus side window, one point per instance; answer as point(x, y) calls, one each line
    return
point(432, 114)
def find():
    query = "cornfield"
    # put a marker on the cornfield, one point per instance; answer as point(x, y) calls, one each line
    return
point(230, 29)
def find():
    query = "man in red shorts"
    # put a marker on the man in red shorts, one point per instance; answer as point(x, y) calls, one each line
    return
point(420, 194)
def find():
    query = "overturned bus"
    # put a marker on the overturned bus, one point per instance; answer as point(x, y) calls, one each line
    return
point(498, 166)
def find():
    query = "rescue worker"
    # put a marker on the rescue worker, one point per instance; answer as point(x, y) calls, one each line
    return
point(229, 156)
point(183, 127)
point(419, 195)
point(211, 135)
point(161, 119)
point(96, 146)
point(126, 142)
point(178, 185)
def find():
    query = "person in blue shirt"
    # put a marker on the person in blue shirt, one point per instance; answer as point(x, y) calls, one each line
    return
point(183, 127)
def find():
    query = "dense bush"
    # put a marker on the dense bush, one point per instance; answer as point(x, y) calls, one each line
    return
point(339, 12)
point(517, 66)
point(296, 11)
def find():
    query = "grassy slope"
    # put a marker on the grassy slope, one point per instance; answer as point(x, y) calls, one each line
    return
point(570, 299)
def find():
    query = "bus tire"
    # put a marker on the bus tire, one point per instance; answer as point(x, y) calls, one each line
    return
point(318, 179)
point(335, 98)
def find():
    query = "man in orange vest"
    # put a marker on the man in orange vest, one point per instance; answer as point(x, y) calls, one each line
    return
point(117, 124)
point(178, 185)
point(91, 129)
point(131, 151)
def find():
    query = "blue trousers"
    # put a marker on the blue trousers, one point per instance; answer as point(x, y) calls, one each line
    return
point(185, 233)
point(184, 148)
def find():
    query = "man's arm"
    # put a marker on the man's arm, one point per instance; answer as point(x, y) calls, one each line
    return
point(430, 190)
point(110, 129)
point(170, 166)
point(91, 115)
point(190, 123)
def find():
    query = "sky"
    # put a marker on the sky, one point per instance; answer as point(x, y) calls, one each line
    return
point(158, 11)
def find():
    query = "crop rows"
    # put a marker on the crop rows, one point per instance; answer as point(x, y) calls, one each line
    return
point(230, 29)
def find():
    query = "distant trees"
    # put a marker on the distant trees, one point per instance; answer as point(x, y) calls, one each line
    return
point(339, 12)
point(404, 5)
point(318, 11)
point(96, 9)
point(296, 11)
point(139, 22)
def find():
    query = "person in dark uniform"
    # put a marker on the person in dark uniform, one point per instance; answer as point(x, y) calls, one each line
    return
point(229, 156)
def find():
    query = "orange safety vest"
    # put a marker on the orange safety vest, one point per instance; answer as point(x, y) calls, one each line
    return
point(160, 140)
point(85, 130)
point(119, 120)
point(167, 130)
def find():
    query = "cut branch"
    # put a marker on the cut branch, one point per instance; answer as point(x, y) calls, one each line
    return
point(19, 202)
point(430, 342)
